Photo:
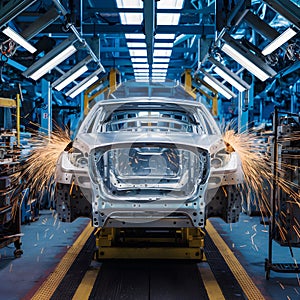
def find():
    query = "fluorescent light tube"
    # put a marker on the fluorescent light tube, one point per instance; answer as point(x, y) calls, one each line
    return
point(159, 70)
point(136, 45)
point(160, 66)
point(217, 86)
point(162, 52)
point(140, 36)
point(136, 74)
point(161, 60)
point(84, 86)
point(159, 75)
point(158, 80)
point(138, 52)
point(279, 41)
point(243, 61)
point(177, 4)
point(229, 79)
point(131, 18)
point(163, 45)
point(167, 19)
point(71, 78)
point(142, 79)
point(139, 59)
point(85, 83)
point(140, 65)
point(19, 39)
point(164, 36)
point(141, 70)
point(53, 62)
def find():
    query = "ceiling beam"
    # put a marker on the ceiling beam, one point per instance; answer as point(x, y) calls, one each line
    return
point(90, 29)
point(149, 27)
point(261, 26)
point(287, 9)
point(12, 9)
point(184, 11)
point(125, 49)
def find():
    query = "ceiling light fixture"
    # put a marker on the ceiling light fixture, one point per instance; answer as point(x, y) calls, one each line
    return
point(72, 74)
point(160, 66)
point(84, 84)
point(139, 36)
point(142, 74)
point(164, 36)
point(229, 79)
point(140, 65)
point(53, 63)
point(163, 45)
point(138, 52)
point(161, 60)
point(141, 70)
point(136, 45)
point(279, 41)
point(145, 78)
point(247, 59)
point(217, 85)
point(19, 39)
point(229, 76)
point(139, 59)
point(71, 78)
point(162, 52)
point(53, 58)
point(159, 70)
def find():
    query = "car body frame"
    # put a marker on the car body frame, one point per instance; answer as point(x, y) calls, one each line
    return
point(148, 162)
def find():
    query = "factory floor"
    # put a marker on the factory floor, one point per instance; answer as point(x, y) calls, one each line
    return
point(48, 243)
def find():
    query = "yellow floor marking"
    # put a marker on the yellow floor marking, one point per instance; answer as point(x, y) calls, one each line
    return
point(211, 285)
point(85, 288)
point(49, 286)
point(250, 289)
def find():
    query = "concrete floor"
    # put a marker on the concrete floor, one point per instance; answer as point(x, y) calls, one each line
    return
point(248, 239)
point(44, 243)
point(47, 240)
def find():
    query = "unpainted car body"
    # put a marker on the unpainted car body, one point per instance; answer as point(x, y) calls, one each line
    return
point(148, 162)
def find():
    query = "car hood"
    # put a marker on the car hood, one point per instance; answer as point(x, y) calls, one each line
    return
point(88, 141)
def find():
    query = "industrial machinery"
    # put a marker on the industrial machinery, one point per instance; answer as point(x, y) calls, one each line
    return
point(148, 167)
point(10, 216)
point(285, 212)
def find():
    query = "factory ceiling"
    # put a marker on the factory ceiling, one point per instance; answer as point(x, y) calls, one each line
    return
point(148, 39)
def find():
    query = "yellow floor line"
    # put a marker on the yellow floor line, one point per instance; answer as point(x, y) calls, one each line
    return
point(250, 289)
point(85, 288)
point(49, 286)
point(212, 287)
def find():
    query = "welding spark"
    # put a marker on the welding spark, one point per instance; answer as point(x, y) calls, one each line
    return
point(37, 172)
point(259, 170)
point(255, 164)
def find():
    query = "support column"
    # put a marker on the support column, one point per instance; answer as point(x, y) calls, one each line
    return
point(46, 110)
point(245, 108)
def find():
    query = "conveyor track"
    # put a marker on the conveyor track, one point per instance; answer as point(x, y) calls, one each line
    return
point(148, 279)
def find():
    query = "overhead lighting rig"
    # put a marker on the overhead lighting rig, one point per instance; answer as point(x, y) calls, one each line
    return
point(279, 41)
point(217, 85)
point(264, 29)
point(84, 84)
point(287, 9)
point(53, 58)
point(72, 74)
point(246, 58)
point(13, 9)
point(15, 36)
point(229, 76)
